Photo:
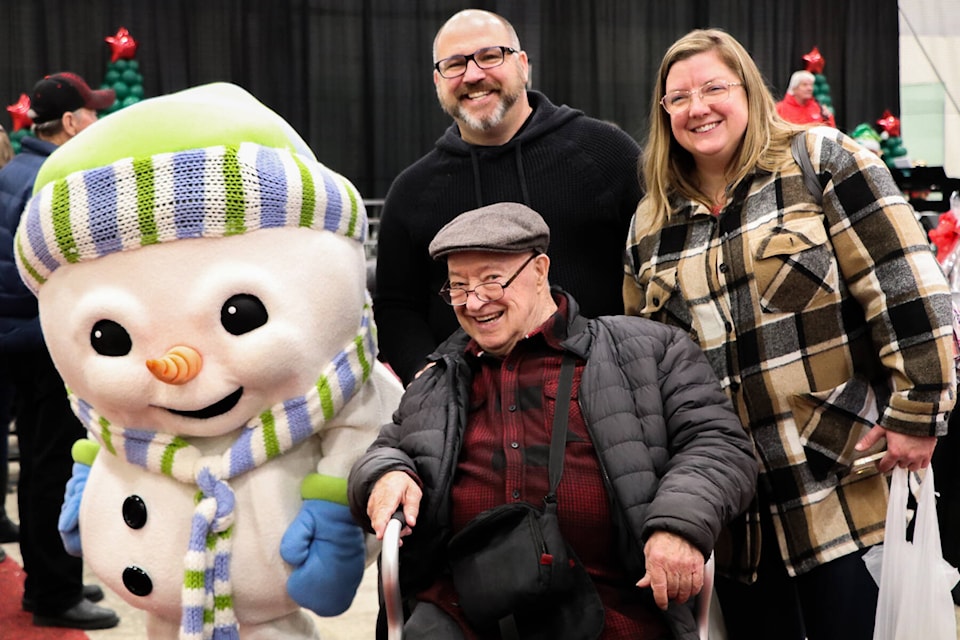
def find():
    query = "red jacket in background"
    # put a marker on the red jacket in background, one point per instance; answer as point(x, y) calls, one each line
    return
point(806, 113)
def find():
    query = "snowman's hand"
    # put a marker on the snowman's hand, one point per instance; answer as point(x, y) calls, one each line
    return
point(326, 549)
point(84, 452)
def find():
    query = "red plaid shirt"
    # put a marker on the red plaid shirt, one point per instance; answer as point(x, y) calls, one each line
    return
point(504, 458)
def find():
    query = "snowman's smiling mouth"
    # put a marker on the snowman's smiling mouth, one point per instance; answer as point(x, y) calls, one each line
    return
point(217, 408)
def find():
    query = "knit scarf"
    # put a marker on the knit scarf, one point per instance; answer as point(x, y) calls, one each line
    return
point(207, 600)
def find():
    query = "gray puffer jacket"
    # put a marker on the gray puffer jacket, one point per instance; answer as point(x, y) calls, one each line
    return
point(672, 451)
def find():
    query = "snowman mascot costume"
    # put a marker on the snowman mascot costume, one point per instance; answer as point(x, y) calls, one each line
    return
point(202, 290)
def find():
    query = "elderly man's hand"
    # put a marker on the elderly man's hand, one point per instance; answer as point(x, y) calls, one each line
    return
point(674, 568)
point(392, 490)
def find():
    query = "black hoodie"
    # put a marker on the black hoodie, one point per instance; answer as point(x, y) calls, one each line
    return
point(579, 173)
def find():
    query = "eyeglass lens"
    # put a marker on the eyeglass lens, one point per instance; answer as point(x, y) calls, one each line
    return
point(710, 93)
point(485, 58)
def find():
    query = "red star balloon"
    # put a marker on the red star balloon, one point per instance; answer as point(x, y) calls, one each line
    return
point(814, 61)
point(890, 124)
point(123, 45)
point(18, 113)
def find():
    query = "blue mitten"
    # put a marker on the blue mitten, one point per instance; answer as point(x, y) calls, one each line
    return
point(326, 549)
point(84, 452)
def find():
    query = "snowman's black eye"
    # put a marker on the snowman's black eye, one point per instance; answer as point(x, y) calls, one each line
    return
point(110, 339)
point(243, 313)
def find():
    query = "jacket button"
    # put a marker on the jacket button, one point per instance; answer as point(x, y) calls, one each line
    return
point(514, 445)
point(723, 267)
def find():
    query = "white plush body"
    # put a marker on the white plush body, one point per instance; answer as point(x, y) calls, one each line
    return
point(312, 284)
point(267, 498)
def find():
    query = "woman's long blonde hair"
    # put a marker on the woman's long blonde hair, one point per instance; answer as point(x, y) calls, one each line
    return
point(669, 170)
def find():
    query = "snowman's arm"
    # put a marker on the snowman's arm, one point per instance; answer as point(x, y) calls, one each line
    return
point(84, 452)
point(325, 547)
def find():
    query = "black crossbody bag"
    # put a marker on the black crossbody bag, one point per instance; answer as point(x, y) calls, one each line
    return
point(511, 567)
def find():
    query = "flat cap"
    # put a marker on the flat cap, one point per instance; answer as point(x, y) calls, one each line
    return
point(507, 227)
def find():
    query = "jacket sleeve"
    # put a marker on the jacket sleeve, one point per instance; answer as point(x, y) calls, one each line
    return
point(711, 473)
point(888, 266)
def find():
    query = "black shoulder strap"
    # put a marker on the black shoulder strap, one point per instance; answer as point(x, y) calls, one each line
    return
point(558, 440)
point(798, 147)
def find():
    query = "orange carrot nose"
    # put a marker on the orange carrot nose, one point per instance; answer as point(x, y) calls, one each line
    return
point(180, 365)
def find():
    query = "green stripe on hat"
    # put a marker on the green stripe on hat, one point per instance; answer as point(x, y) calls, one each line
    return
point(60, 214)
point(309, 202)
point(143, 171)
point(235, 222)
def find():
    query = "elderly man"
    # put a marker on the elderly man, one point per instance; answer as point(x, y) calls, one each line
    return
point(798, 104)
point(655, 461)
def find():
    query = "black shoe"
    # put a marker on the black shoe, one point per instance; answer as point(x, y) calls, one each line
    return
point(9, 530)
point(83, 615)
point(91, 592)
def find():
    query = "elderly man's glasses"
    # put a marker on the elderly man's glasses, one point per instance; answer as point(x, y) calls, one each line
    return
point(711, 93)
point(486, 292)
point(486, 58)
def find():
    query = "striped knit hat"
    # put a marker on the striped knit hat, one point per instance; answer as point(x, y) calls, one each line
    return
point(206, 162)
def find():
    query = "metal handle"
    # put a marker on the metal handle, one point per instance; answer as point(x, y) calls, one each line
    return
point(390, 575)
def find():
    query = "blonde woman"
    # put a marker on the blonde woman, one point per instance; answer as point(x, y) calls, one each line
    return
point(829, 326)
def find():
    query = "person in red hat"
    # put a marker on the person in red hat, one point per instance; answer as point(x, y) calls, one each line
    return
point(61, 106)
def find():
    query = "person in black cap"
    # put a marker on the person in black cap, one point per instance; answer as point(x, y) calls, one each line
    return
point(61, 106)
point(655, 461)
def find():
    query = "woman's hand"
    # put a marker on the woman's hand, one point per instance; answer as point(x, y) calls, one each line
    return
point(910, 452)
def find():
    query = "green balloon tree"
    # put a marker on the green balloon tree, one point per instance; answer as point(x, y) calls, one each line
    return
point(821, 88)
point(123, 72)
point(890, 141)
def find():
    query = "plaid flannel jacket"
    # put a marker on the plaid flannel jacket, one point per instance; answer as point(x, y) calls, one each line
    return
point(820, 322)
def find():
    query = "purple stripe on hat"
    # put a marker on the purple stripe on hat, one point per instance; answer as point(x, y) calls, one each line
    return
point(344, 374)
point(241, 454)
point(298, 419)
point(334, 214)
point(38, 243)
point(273, 188)
point(188, 191)
point(136, 445)
point(101, 187)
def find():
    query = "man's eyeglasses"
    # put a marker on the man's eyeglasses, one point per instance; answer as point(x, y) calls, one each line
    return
point(486, 292)
point(486, 58)
point(711, 93)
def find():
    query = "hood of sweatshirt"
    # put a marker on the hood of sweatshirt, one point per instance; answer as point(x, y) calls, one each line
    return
point(546, 118)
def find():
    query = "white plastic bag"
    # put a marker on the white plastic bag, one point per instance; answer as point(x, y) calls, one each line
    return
point(914, 599)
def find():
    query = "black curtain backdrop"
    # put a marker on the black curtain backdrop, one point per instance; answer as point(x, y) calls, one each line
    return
point(354, 76)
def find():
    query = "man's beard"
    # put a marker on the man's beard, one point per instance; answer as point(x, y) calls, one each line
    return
point(460, 114)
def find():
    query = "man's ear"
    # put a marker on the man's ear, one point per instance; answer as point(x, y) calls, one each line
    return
point(542, 266)
point(69, 122)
